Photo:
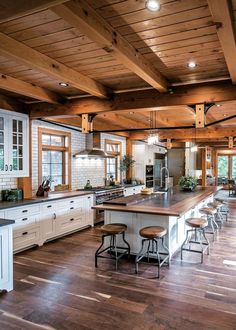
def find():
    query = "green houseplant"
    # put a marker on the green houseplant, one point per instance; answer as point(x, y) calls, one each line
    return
point(126, 163)
point(187, 183)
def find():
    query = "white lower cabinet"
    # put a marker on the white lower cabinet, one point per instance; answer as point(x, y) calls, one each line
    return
point(6, 258)
point(38, 223)
point(128, 191)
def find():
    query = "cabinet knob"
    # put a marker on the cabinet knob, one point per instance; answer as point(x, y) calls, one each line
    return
point(72, 219)
point(24, 219)
point(71, 201)
point(25, 233)
point(72, 208)
point(10, 167)
point(89, 197)
point(6, 167)
point(54, 216)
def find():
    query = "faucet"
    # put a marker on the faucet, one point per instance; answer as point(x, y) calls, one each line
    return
point(166, 176)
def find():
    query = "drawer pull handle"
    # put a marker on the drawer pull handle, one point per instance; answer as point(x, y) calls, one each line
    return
point(10, 167)
point(89, 197)
point(54, 216)
point(24, 211)
point(71, 201)
point(72, 219)
point(25, 233)
point(24, 219)
point(72, 208)
point(49, 206)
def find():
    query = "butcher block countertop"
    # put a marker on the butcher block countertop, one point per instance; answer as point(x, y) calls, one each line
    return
point(172, 203)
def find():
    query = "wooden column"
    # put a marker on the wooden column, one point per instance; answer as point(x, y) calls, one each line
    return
point(25, 183)
point(214, 164)
point(204, 167)
point(200, 116)
point(129, 151)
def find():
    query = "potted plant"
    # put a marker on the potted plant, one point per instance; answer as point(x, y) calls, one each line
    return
point(126, 163)
point(187, 183)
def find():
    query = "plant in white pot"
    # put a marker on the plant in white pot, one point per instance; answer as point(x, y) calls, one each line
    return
point(187, 183)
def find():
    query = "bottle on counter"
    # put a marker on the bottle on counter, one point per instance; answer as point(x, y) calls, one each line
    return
point(88, 185)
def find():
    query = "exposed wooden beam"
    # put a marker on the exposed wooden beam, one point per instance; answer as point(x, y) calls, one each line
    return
point(147, 100)
point(85, 18)
point(189, 134)
point(34, 59)
point(222, 13)
point(17, 8)
point(9, 103)
point(21, 87)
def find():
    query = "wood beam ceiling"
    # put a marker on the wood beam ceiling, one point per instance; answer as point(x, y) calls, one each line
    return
point(51, 67)
point(17, 8)
point(26, 89)
point(146, 100)
point(222, 15)
point(82, 16)
point(9, 103)
point(189, 134)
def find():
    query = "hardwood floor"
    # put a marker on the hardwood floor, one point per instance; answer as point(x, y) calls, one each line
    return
point(57, 287)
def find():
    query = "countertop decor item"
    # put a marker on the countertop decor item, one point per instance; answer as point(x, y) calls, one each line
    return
point(45, 187)
point(187, 183)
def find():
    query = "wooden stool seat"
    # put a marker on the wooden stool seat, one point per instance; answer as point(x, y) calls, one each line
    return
point(113, 228)
point(215, 204)
point(196, 222)
point(152, 232)
point(207, 210)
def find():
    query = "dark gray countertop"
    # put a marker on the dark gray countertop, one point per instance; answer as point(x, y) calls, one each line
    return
point(51, 197)
point(5, 222)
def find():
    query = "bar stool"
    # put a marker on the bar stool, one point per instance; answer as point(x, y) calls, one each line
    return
point(198, 226)
point(153, 235)
point(209, 213)
point(224, 208)
point(217, 206)
point(112, 230)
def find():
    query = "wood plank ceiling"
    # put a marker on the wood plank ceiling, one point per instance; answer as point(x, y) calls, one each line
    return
point(108, 46)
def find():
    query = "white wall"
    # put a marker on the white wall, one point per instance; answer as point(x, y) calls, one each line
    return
point(190, 160)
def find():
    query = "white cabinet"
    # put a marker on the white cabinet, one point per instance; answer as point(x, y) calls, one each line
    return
point(14, 144)
point(128, 191)
point(6, 258)
point(38, 223)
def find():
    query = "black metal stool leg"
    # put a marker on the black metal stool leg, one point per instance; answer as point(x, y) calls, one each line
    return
point(139, 256)
point(97, 252)
point(124, 240)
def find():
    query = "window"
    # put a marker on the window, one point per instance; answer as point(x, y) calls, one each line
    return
point(113, 148)
point(55, 158)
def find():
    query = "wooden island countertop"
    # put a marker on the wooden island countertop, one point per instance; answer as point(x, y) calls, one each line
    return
point(172, 203)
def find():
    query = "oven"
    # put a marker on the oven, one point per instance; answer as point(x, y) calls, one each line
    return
point(105, 195)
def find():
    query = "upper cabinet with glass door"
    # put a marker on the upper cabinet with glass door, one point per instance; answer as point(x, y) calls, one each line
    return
point(14, 144)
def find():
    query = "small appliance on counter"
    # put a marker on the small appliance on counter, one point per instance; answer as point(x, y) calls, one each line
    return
point(12, 195)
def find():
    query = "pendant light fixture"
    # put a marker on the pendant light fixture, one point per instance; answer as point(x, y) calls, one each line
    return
point(153, 136)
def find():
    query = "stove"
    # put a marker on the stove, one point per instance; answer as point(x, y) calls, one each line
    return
point(103, 194)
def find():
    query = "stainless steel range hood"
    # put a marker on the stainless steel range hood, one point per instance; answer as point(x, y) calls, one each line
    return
point(93, 148)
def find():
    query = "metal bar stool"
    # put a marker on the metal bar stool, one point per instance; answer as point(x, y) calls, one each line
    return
point(111, 230)
point(209, 213)
point(153, 235)
point(197, 230)
point(224, 208)
point(218, 216)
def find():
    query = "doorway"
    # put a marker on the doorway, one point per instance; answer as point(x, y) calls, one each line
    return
point(226, 168)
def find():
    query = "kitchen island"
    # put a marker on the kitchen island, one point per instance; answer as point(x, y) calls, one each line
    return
point(168, 210)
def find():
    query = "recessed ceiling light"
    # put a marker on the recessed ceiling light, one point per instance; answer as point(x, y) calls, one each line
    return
point(153, 5)
point(131, 112)
point(192, 64)
point(63, 84)
point(218, 105)
point(225, 115)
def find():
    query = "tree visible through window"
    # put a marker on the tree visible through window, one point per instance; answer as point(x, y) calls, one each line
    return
point(54, 157)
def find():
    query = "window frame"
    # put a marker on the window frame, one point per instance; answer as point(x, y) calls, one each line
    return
point(64, 149)
point(114, 154)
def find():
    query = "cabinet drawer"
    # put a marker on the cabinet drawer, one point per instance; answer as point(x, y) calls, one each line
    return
point(2, 214)
point(25, 238)
point(25, 221)
point(67, 224)
point(48, 207)
point(17, 213)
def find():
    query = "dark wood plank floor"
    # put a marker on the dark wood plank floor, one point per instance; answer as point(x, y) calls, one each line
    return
point(57, 287)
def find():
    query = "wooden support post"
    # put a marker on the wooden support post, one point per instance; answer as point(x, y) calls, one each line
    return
point(129, 151)
point(168, 144)
point(204, 167)
point(87, 125)
point(231, 142)
point(214, 164)
point(200, 116)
